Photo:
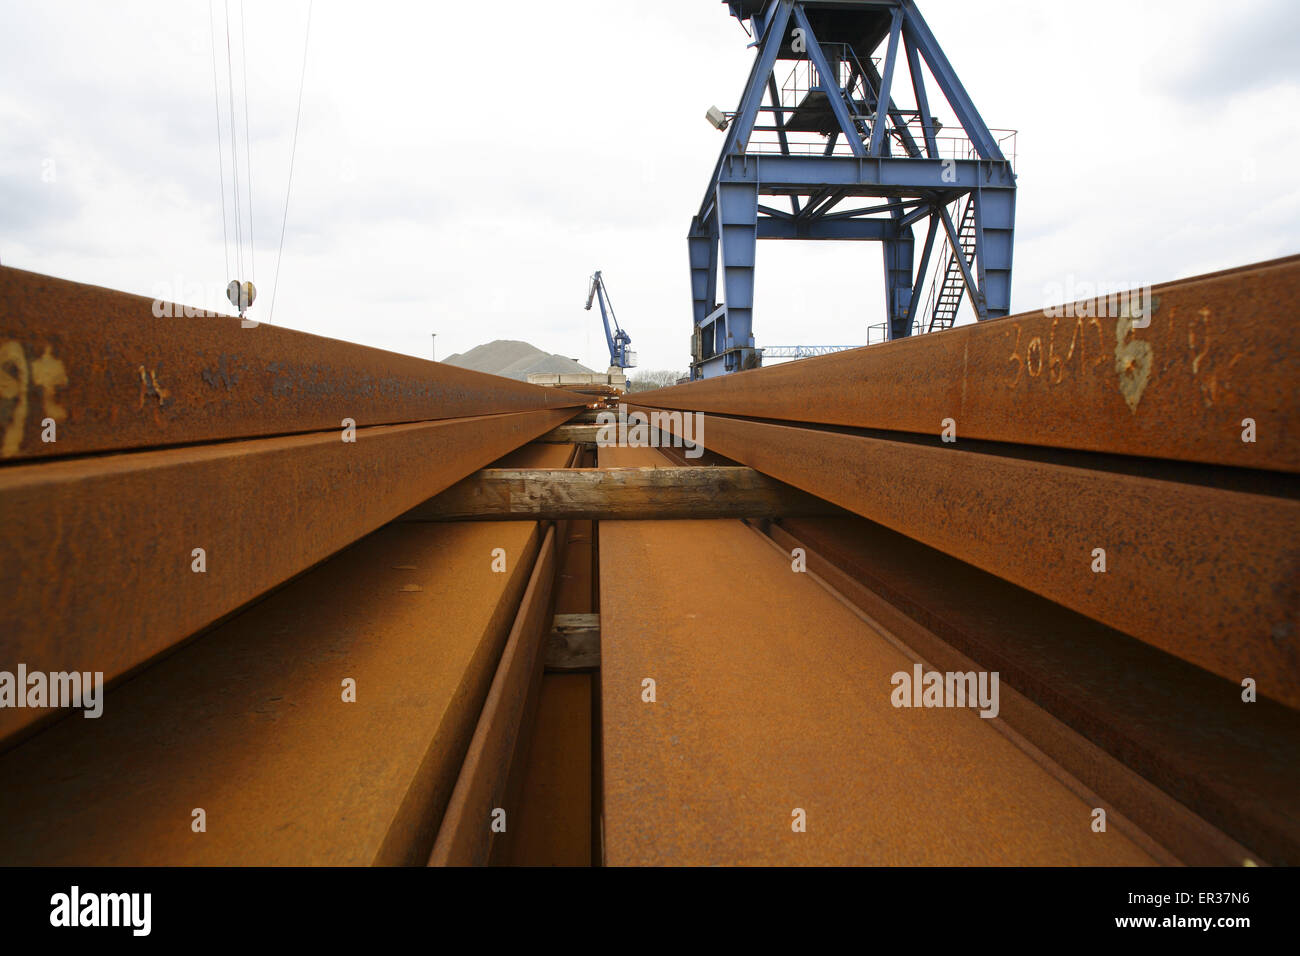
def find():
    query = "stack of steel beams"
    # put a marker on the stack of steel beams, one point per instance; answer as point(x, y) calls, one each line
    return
point(200, 514)
point(358, 608)
point(1101, 507)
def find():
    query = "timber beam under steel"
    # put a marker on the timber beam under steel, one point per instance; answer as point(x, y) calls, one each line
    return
point(511, 494)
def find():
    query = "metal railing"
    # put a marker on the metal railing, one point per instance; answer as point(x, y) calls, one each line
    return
point(880, 331)
point(804, 77)
point(802, 351)
point(764, 141)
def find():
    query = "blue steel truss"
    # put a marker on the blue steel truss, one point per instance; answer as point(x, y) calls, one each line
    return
point(858, 142)
point(802, 351)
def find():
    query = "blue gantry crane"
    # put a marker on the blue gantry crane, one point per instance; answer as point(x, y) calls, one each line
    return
point(620, 356)
point(822, 124)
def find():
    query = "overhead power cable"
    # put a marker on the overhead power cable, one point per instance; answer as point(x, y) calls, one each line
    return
point(248, 148)
point(234, 149)
point(221, 163)
point(292, 155)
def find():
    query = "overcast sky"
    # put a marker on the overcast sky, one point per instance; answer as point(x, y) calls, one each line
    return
point(463, 168)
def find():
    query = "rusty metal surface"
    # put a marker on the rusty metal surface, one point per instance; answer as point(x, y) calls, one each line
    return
point(574, 589)
point(773, 696)
point(535, 455)
point(248, 722)
point(114, 376)
point(553, 824)
point(1219, 349)
point(98, 560)
point(1209, 575)
point(1185, 731)
point(468, 835)
point(613, 456)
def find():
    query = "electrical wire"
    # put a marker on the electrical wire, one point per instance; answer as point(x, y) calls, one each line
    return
point(292, 155)
point(221, 164)
point(234, 150)
point(248, 147)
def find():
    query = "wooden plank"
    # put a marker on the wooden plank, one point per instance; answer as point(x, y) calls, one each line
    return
point(574, 644)
point(617, 493)
point(566, 434)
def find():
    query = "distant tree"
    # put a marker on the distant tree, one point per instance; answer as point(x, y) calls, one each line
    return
point(653, 378)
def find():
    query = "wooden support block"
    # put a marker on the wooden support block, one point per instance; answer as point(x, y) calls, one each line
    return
point(632, 494)
point(574, 644)
point(566, 434)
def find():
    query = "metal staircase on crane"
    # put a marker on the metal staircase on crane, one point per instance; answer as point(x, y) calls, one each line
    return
point(948, 301)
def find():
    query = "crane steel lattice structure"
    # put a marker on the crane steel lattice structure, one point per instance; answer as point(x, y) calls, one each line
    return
point(832, 131)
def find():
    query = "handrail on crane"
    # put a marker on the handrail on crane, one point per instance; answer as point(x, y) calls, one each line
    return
point(620, 356)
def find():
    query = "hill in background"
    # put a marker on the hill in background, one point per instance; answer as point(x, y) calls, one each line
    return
point(513, 359)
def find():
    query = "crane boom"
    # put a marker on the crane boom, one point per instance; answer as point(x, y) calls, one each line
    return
point(620, 356)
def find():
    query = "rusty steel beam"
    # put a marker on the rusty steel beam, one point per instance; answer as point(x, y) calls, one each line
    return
point(112, 375)
point(1220, 349)
point(485, 798)
point(1209, 575)
point(1180, 732)
point(496, 494)
point(784, 694)
point(251, 724)
point(101, 561)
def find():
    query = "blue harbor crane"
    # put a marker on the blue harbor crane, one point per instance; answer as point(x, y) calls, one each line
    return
point(620, 356)
point(836, 110)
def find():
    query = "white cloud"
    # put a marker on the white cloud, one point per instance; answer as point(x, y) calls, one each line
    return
point(463, 169)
